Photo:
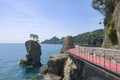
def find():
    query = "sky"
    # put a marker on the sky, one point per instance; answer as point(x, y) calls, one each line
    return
point(46, 18)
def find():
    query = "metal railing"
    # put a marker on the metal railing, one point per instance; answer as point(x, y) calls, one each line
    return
point(107, 58)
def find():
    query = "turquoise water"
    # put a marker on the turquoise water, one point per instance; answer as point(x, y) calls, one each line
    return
point(10, 54)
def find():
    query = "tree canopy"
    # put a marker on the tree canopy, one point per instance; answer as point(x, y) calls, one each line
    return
point(94, 38)
point(34, 36)
point(106, 7)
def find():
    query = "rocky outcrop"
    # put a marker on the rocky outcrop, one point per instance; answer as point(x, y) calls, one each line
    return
point(55, 67)
point(33, 55)
point(112, 30)
point(66, 67)
point(62, 66)
point(67, 44)
point(72, 69)
point(56, 64)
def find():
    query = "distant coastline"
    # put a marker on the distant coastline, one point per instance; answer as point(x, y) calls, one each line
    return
point(94, 38)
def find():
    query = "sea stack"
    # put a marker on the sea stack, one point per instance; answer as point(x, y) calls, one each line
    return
point(68, 43)
point(32, 58)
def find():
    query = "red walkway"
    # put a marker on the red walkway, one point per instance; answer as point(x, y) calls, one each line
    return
point(115, 67)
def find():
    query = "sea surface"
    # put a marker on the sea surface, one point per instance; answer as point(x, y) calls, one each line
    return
point(10, 55)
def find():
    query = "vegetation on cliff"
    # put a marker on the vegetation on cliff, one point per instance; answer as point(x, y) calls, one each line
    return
point(35, 37)
point(94, 38)
point(110, 10)
point(53, 40)
point(106, 7)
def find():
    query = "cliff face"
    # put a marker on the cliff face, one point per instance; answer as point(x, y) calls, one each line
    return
point(55, 67)
point(56, 64)
point(33, 55)
point(112, 30)
point(72, 69)
point(60, 67)
point(66, 67)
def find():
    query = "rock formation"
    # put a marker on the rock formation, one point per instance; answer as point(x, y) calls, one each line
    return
point(66, 67)
point(33, 55)
point(56, 64)
point(112, 30)
point(72, 69)
point(67, 44)
point(55, 67)
point(61, 66)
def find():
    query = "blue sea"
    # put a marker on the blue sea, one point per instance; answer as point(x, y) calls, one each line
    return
point(10, 54)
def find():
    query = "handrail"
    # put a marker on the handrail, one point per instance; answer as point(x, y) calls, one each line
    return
point(107, 58)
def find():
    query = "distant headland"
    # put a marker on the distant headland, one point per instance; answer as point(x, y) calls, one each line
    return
point(94, 38)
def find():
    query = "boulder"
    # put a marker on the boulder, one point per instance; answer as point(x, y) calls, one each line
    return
point(55, 67)
point(56, 63)
point(32, 58)
point(67, 44)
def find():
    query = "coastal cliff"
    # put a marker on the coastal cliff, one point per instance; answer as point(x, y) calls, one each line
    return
point(66, 67)
point(32, 58)
point(112, 30)
point(62, 66)
point(59, 66)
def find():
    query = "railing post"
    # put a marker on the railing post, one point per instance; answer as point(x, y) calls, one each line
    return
point(96, 56)
point(104, 57)
point(99, 58)
point(92, 55)
point(116, 65)
point(116, 62)
point(87, 54)
point(110, 63)
point(79, 50)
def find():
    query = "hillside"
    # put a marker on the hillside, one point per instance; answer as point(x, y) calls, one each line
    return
point(94, 38)
point(53, 40)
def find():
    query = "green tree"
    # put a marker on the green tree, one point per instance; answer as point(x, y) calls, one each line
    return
point(34, 36)
point(106, 7)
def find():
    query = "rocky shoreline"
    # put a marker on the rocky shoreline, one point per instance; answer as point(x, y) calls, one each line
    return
point(65, 67)
point(61, 67)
